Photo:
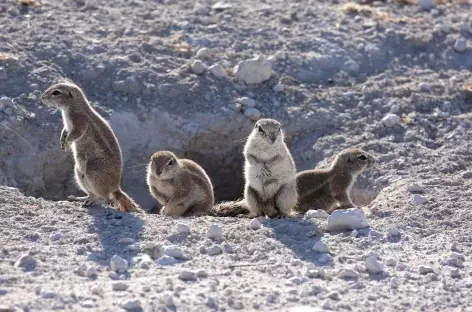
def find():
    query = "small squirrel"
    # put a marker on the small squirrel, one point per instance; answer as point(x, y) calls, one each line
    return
point(97, 154)
point(324, 188)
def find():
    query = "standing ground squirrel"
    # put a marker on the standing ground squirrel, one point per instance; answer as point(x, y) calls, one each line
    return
point(97, 154)
point(269, 171)
point(323, 188)
point(180, 185)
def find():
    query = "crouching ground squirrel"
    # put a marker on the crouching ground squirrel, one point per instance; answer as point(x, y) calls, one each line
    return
point(324, 188)
point(270, 174)
point(97, 154)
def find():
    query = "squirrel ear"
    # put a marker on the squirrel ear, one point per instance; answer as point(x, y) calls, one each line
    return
point(70, 94)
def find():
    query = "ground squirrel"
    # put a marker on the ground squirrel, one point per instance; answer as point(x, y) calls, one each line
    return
point(270, 173)
point(180, 185)
point(97, 154)
point(324, 188)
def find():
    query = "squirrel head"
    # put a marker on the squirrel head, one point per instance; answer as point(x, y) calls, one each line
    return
point(354, 160)
point(269, 130)
point(61, 95)
point(163, 165)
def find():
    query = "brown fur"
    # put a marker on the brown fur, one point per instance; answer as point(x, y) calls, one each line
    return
point(324, 188)
point(97, 154)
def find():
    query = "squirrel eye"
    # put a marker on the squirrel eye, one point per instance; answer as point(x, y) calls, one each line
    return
point(260, 130)
point(362, 157)
point(56, 92)
point(171, 162)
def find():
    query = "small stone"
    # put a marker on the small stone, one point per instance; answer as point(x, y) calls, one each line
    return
point(423, 269)
point(252, 113)
point(426, 4)
point(227, 248)
point(346, 219)
point(187, 275)
point(253, 71)
point(47, 294)
point(170, 302)
point(218, 71)
point(131, 304)
point(296, 262)
point(202, 274)
point(312, 273)
point(325, 258)
point(166, 260)
point(5, 101)
point(173, 251)
point(211, 302)
point(214, 250)
point(373, 265)
point(3, 292)
point(91, 271)
point(56, 236)
point(460, 45)
point(295, 281)
point(198, 67)
point(375, 234)
point(320, 247)
point(352, 66)
point(87, 304)
point(419, 200)
point(96, 290)
point(333, 295)
point(424, 87)
point(255, 224)
point(415, 188)
point(316, 214)
point(214, 231)
point(390, 120)
point(391, 262)
point(278, 88)
point(400, 267)
point(221, 6)
point(455, 273)
point(204, 53)
point(326, 305)
point(113, 275)
point(455, 262)
point(26, 261)
point(126, 241)
point(118, 264)
point(348, 273)
point(119, 286)
point(202, 249)
point(183, 229)
point(248, 102)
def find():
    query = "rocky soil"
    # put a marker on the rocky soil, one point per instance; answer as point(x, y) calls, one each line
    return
point(392, 77)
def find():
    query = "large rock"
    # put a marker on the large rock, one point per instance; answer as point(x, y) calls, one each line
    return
point(347, 219)
point(253, 71)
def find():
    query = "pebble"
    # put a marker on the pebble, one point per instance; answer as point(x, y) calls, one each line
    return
point(333, 295)
point(320, 247)
point(56, 236)
point(316, 214)
point(390, 120)
point(252, 113)
point(204, 53)
point(391, 262)
point(96, 290)
point(373, 265)
point(118, 264)
point(113, 275)
point(166, 260)
point(423, 269)
point(214, 250)
point(187, 275)
point(221, 6)
point(348, 273)
point(248, 102)
point(325, 258)
point(227, 248)
point(346, 219)
point(183, 229)
point(278, 88)
point(255, 224)
point(47, 294)
point(419, 200)
point(91, 271)
point(198, 67)
point(375, 234)
point(218, 71)
point(211, 302)
point(455, 262)
point(352, 66)
point(131, 304)
point(214, 231)
point(415, 188)
point(426, 4)
point(173, 251)
point(119, 286)
point(455, 273)
point(5, 101)
point(25, 261)
point(3, 292)
point(460, 45)
point(253, 71)
point(202, 274)
point(326, 305)
point(126, 241)
point(87, 304)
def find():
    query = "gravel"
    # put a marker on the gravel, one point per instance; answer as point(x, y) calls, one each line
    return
point(373, 265)
point(347, 219)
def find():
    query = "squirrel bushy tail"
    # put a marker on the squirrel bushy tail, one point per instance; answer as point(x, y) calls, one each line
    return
point(230, 209)
point(124, 202)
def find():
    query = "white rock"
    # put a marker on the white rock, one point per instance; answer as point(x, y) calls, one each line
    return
point(25, 261)
point(126, 241)
point(373, 265)
point(419, 200)
point(96, 290)
point(211, 302)
point(348, 273)
point(460, 45)
point(326, 305)
point(252, 113)
point(253, 71)
point(352, 66)
point(91, 271)
point(56, 236)
point(424, 269)
point(316, 214)
point(426, 4)
point(214, 231)
point(198, 67)
point(278, 88)
point(218, 71)
point(255, 224)
point(248, 102)
point(390, 120)
point(214, 250)
point(87, 304)
point(187, 275)
point(221, 6)
point(204, 53)
point(47, 294)
point(166, 260)
point(119, 286)
point(202, 274)
point(113, 275)
point(312, 273)
point(5, 101)
point(173, 251)
point(183, 228)
point(131, 304)
point(391, 262)
point(415, 188)
point(320, 247)
point(346, 219)
point(118, 264)
point(325, 258)
point(455, 273)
